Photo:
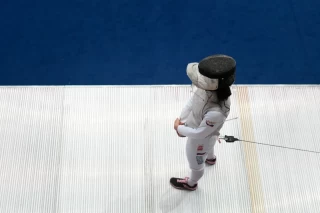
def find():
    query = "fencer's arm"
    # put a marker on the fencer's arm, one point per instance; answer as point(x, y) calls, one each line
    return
point(186, 111)
point(206, 127)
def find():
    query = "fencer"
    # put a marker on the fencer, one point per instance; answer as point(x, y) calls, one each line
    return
point(204, 115)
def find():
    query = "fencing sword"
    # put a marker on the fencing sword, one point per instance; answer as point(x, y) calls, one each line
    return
point(232, 139)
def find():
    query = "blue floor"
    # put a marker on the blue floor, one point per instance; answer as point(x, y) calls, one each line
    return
point(150, 42)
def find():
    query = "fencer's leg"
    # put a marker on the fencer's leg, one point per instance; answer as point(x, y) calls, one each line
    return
point(196, 164)
point(211, 161)
point(211, 154)
point(196, 157)
point(195, 176)
point(211, 158)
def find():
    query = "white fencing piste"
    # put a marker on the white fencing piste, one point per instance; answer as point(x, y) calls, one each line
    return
point(102, 149)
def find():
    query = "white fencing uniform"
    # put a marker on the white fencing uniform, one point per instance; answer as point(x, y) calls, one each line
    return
point(205, 113)
point(203, 116)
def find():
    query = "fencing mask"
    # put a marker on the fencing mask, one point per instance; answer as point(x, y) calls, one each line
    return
point(213, 72)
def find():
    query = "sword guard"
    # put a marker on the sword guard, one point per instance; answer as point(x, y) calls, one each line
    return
point(230, 139)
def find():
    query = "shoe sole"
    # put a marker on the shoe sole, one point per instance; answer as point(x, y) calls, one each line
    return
point(182, 188)
point(211, 163)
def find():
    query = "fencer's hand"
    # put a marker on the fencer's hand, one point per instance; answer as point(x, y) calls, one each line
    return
point(177, 122)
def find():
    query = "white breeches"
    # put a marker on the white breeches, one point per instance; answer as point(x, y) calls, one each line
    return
point(197, 153)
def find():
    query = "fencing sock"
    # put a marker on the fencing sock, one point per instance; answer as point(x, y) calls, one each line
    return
point(195, 176)
point(211, 155)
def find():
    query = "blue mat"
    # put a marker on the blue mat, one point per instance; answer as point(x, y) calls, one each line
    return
point(150, 42)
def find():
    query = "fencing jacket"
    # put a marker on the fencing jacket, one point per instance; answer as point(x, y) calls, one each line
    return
point(204, 115)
